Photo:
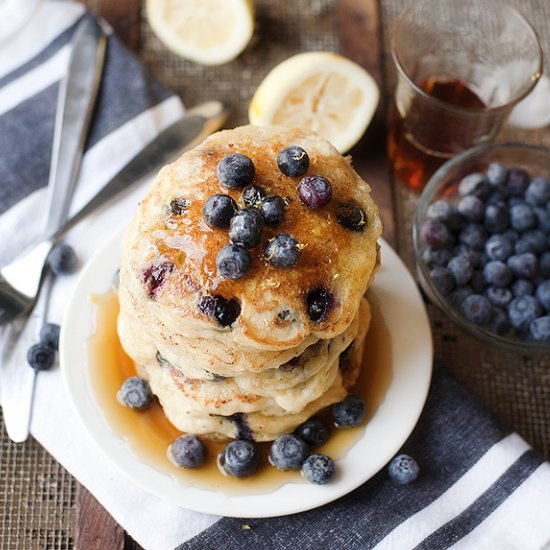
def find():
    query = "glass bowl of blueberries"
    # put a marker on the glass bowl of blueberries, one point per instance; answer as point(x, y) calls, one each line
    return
point(482, 243)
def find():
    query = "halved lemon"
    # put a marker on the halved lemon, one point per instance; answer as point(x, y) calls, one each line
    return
point(320, 91)
point(210, 32)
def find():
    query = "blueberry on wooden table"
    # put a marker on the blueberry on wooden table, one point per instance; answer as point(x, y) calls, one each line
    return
point(239, 458)
point(188, 451)
point(318, 469)
point(282, 251)
point(403, 469)
point(288, 452)
point(293, 161)
point(235, 171)
point(218, 210)
point(41, 356)
point(135, 393)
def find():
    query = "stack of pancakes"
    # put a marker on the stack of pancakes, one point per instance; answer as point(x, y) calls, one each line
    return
point(243, 358)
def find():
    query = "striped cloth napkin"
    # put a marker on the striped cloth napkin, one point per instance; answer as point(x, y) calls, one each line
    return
point(480, 486)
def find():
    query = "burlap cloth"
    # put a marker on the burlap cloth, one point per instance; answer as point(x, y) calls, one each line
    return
point(37, 496)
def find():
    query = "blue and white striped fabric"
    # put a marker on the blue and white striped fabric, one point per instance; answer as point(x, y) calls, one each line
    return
point(480, 485)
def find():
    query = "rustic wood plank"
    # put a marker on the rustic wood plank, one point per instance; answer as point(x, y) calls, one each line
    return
point(360, 38)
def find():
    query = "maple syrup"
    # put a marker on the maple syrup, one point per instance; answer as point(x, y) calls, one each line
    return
point(149, 433)
point(424, 137)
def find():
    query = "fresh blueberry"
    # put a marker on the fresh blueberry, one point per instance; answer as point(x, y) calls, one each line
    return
point(538, 191)
point(293, 161)
point(273, 210)
point(218, 210)
point(543, 218)
point(319, 302)
point(473, 256)
point(439, 210)
point(499, 296)
point(239, 458)
point(543, 294)
point(531, 241)
point(523, 265)
point(511, 234)
point(224, 311)
point(499, 322)
point(135, 393)
point(187, 451)
point(41, 356)
point(435, 233)
point(496, 218)
point(471, 208)
point(517, 181)
point(282, 251)
point(253, 196)
point(403, 469)
point(436, 256)
point(246, 228)
point(496, 197)
point(522, 311)
point(442, 278)
point(497, 273)
point(499, 247)
point(318, 469)
point(349, 412)
point(521, 287)
point(474, 184)
point(460, 294)
point(351, 216)
point(477, 309)
point(49, 335)
point(496, 174)
point(313, 431)
point(233, 261)
point(62, 260)
point(477, 282)
point(235, 171)
point(314, 191)
point(522, 217)
point(540, 329)
point(288, 452)
point(461, 269)
point(473, 235)
point(544, 264)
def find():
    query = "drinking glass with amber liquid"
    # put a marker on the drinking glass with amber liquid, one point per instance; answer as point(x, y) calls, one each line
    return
point(462, 65)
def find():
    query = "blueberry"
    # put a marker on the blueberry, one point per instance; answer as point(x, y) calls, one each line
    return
point(403, 469)
point(282, 251)
point(473, 235)
point(442, 278)
point(540, 329)
point(154, 276)
point(49, 335)
point(496, 218)
point(523, 265)
point(314, 191)
point(538, 191)
point(293, 161)
point(497, 273)
point(477, 309)
point(499, 247)
point(460, 294)
point(522, 311)
point(517, 181)
point(135, 393)
point(499, 322)
point(531, 241)
point(273, 210)
point(246, 228)
point(41, 356)
point(461, 269)
point(496, 174)
point(511, 234)
point(522, 217)
point(233, 261)
point(499, 296)
point(435, 233)
point(313, 431)
point(218, 210)
point(178, 206)
point(318, 469)
point(473, 256)
point(474, 184)
point(187, 451)
point(521, 287)
point(253, 196)
point(62, 260)
point(224, 311)
point(288, 452)
point(240, 458)
point(543, 218)
point(439, 210)
point(319, 302)
point(351, 216)
point(349, 412)
point(543, 294)
point(544, 264)
point(471, 208)
point(436, 256)
point(235, 171)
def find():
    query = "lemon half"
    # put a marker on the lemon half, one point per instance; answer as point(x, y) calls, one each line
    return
point(320, 91)
point(210, 32)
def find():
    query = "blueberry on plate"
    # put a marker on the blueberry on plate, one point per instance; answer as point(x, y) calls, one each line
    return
point(349, 412)
point(313, 431)
point(253, 196)
point(314, 191)
point(233, 261)
point(318, 469)
point(293, 161)
point(403, 469)
point(272, 210)
point(282, 251)
point(288, 452)
point(135, 393)
point(187, 451)
point(62, 260)
point(351, 216)
point(49, 335)
point(235, 171)
point(246, 228)
point(218, 210)
point(239, 458)
point(41, 356)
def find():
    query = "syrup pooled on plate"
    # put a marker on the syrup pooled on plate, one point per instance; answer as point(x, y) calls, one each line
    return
point(148, 433)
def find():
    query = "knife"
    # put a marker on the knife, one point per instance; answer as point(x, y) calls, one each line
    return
point(191, 129)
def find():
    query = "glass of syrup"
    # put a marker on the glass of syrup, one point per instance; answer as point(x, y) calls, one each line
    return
point(462, 65)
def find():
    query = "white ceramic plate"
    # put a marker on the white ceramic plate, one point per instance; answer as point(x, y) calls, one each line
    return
point(411, 351)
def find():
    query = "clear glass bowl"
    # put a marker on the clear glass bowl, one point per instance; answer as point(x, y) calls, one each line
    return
point(444, 185)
